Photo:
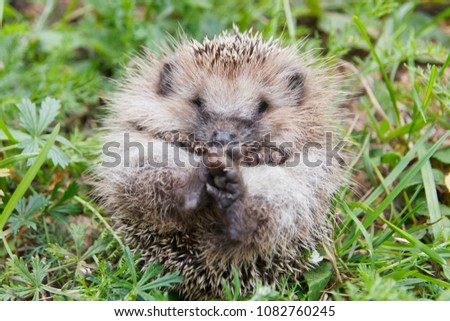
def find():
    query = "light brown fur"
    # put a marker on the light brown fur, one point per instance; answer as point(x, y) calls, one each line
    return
point(231, 73)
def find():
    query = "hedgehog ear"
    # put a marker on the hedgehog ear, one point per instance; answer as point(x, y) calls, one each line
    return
point(296, 84)
point(165, 86)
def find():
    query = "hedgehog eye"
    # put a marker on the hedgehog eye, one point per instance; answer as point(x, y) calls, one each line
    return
point(262, 106)
point(197, 102)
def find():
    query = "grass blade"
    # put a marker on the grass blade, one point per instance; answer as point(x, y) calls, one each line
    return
point(363, 231)
point(419, 245)
point(400, 186)
point(414, 94)
point(444, 66)
point(387, 181)
point(289, 19)
point(28, 178)
point(397, 189)
point(16, 158)
point(6, 131)
point(429, 88)
point(380, 64)
point(402, 275)
point(444, 14)
point(386, 235)
point(2, 4)
point(431, 196)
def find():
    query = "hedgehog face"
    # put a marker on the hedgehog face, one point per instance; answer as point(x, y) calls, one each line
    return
point(225, 100)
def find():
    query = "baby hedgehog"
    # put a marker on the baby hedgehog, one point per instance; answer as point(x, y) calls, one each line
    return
point(216, 157)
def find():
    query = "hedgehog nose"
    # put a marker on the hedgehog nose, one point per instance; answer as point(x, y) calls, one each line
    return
point(222, 137)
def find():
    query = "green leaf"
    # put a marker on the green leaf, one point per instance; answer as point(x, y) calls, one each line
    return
point(408, 128)
point(164, 281)
point(391, 158)
point(443, 155)
point(65, 141)
point(446, 271)
point(385, 126)
point(29, 283)
point(445, 210)
point(14, 136)
point(29, 146)
point(28, 116)
point(61, 253)
point(36, 125)
point(58, 157)
point(48, 112)
point(150, 272)
point(60, 212)
point(444, 296)
point(98, 246)
point(28, 178)
point(26, 212)
point(318, 279)
point(417, 179)
point(78, 233)
point(129, 261)
point(69, 193)
point(40, 270)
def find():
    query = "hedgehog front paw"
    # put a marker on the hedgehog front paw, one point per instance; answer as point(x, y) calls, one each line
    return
point(228, 191)
point(192, 196)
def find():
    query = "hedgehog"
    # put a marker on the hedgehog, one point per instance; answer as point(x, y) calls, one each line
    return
point(215, 160)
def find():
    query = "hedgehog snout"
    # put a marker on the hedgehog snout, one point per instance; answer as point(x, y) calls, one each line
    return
point(222, 137)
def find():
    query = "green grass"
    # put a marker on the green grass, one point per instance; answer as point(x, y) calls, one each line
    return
point(392, 232)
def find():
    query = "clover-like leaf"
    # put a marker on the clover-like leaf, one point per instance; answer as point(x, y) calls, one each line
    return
point(36, 121)
point(28, 116)
point(48, 112)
